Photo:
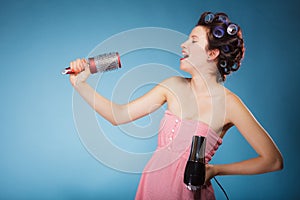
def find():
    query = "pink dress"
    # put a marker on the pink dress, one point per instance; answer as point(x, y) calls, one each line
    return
point(162, 178)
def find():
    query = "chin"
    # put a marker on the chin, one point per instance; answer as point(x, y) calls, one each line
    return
point(185, 67)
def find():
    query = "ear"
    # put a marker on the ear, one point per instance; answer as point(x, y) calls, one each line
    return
point(213, 54)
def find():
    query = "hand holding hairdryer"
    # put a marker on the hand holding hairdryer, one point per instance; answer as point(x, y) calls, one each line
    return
point(194, 174)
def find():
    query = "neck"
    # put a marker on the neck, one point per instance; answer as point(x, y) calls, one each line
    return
point(204, 84)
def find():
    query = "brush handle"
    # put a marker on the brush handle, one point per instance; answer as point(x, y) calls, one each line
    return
point(101, 63)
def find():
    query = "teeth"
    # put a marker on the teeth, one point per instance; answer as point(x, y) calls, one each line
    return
point(185, 55)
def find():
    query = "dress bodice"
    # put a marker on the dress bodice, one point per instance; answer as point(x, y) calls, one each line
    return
point(175, 134)
point(163, 175)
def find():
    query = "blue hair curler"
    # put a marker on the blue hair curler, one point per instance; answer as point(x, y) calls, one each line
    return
point(223, 19)
point(209, 18)
point(218, 32)
point(226, 48)
point(223, 63)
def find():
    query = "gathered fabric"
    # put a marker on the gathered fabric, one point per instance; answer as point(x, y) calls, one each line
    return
point(162, 177)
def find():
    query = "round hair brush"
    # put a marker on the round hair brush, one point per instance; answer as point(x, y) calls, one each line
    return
point(101, 63)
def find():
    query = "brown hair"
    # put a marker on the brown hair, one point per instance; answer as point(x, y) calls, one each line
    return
point(227, 37)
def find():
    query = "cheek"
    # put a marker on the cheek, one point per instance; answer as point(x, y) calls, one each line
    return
point(198, 55)
point(198, 49)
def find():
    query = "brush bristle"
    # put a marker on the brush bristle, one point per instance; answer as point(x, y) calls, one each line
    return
point(105, 62)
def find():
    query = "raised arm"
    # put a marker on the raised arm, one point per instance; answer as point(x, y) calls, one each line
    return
point(115, 113)
point(269, 157)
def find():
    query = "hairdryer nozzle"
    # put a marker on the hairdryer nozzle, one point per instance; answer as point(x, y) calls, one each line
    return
point(194, 174)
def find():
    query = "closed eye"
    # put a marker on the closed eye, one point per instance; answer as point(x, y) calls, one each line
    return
point(194, 38)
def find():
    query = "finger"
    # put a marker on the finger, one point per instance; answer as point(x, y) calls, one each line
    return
point(85, 65)
point(72, 65)
point(78, 65)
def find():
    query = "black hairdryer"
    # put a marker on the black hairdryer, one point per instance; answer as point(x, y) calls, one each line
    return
point(194, 174)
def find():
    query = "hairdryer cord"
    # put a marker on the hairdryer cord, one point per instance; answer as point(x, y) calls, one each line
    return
point(221, 188)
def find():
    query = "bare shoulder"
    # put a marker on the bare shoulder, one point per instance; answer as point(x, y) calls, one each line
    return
point(174, 82)
point(234, 101)
point(236, 108)
point(175, 79)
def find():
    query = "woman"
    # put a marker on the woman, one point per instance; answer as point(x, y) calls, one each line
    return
point(199, 105)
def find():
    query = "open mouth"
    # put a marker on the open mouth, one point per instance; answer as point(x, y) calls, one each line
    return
point(184, 57)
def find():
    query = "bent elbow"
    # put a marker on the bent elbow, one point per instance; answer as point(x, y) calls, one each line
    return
point(114, 123)
point(279, 163)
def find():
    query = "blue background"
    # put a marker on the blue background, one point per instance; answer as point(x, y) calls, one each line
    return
point(41, 155)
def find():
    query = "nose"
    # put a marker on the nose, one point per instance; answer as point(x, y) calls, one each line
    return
point(183, 45)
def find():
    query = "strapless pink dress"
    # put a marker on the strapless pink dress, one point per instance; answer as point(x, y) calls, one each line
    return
point(162, 178)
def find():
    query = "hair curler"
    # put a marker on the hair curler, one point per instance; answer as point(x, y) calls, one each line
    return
point(101, 63)
point(194, 174)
